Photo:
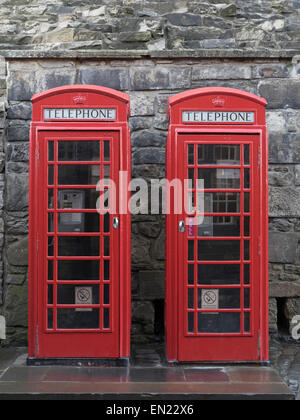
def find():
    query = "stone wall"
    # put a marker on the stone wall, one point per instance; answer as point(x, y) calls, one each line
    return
point(2, 164)
point(149, 25)
point(150, 50)
point(150, 82)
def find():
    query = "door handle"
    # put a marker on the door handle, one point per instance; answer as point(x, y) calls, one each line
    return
point(115, 222)
point(181, 226)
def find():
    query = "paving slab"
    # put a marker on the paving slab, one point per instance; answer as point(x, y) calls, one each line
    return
point(171, 383)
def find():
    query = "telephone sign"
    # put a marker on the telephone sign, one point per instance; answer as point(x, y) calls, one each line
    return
point(79, 275)
point(218, 117)
point(216, 269)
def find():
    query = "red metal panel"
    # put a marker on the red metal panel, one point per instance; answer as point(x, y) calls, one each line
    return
point(109, 334)
point(245, 345)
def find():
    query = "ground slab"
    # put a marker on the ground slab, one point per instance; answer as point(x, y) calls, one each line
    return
point(173, 383)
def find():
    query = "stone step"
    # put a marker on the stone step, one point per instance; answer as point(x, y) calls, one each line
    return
point(169, 383)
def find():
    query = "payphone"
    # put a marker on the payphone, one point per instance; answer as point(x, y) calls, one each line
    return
point(217, 253)
point(79, 275)
point(71, 222)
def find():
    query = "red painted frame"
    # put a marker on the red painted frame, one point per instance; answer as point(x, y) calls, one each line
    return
point(94, 96)
point(203, 99)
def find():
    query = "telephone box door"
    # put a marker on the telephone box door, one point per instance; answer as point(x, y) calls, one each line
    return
point(79, 276)
point(78, 288)
point(218, 268)
point(217, 230)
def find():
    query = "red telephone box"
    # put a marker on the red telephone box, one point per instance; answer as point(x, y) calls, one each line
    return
point(217, 245)
point(79, 275)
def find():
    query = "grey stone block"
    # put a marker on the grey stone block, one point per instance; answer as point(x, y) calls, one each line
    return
point(18, 131)
point(21, 86)
point(281, 95)
point(284, 202)
point(18, 152)
point(221, 71)
point(112, 78)
point(19, 111)
point(16, 305)
point(17, 252)
point(148, 138)
point(17, 193)
point(152, 284)
point(142, 78)
point(184, 19)
point(284, 147)
point(149, 155)
point(280, 175)
point(283, 247)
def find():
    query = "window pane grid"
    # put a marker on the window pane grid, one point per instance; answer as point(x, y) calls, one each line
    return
point(61, 153)
point(221, 216)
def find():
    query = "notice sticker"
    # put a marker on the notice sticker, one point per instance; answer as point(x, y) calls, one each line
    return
point(83, 296)
point(210, 299)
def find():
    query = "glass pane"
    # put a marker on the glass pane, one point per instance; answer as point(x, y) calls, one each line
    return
point(50, 294)
point(190, 298)
point(191, 274)
point(247, 298)
point(106, 171)
point(50, 270)
point(218, 250)
point(218, 154)
point(246, 226)
point(50, 319)
point(85, 198)
point(247, 322)
point(191, 250)
point(106, 241)
point(246, 154)
point(220, 178)
point(78, 222)
point(79, 150)
point(106, 151)
point(191, 178)
point(50, 222)
point(246, 202)
point(106, 269)
point(50, 175)
point(222, 202)
point(218, 274)
point(246, 250)
point(78, 174)
point(78, 270)
point(50, 246)
point(191, 158)
point(246, 178)
point(50, 198)
point(247, 274)
point(219, 322)
point(51, 151)
point(72, 318)
point(191, 322)
point(106, 318)
point(226, 298)
point(70, 294)
point(106, 294)
point(106, 223)
point(73, 246)
point(220, 226)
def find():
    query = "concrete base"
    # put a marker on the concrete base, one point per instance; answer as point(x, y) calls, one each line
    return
point(19, 381)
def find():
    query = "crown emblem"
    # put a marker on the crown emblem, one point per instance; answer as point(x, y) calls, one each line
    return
point(79, 99)
point(218, 102)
